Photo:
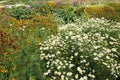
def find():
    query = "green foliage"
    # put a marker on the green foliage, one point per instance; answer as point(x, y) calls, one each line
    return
point(27, 33)
point(42, 8)
point(116, 6)
point(20, 12)
point(66, 14)
point(36, 49)
point(27, 65)
point(79, 11)
point(86, 49)
point(110, 11)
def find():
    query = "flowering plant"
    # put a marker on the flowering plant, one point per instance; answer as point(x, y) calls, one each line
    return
point(87, 49)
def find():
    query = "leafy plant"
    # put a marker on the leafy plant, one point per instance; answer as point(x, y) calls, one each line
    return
point(82, 50)
point(20, 12)
point(105, 11)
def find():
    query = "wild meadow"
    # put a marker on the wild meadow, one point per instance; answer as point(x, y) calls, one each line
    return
point(49, 40)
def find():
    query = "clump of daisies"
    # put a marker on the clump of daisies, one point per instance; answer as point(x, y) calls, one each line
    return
point(85, 50)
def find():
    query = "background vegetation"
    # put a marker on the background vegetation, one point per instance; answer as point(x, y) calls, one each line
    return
point(55, 40)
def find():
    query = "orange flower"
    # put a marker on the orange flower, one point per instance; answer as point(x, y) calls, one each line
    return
point(4, 71)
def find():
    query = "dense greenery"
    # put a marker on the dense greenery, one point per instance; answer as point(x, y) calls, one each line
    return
point(53, 41)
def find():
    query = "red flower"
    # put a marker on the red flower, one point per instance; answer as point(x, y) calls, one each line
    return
point(11, 42)
point(1, 35)
point(3, 42)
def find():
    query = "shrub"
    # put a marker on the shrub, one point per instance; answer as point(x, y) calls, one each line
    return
point(38, 21)
point(8, 51)
point(79, 11)
point(21, 12)
point(84, 50)
point(116, 6)
point(26, 34)
point(13, 55)
point(46, 7)
point(4, 19)
point(66, 14)
point(106, 11)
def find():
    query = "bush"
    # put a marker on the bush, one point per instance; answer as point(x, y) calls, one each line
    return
point(38, 21)
point(26, 34)
point(9, 47)
point(86, 50)
point(66, 14)
point(79, 11)
point(20, 12)
point(4, 19)
point(116, 6)
point(22, 49)
point(46, 8)
point(105, 11)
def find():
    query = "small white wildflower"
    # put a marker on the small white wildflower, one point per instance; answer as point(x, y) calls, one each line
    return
point(108, 66)
point(96, 58)
point(76, 54)
point(69, 74)
point(79, 70)
point(105, 63)
point(111, 43)
point(114, 49)
point(53, 43)
point(84, 78)
point(64, 66)
point(60, 63)
point(11, 25)
point(23, 29)
point(41, 48)
point(62, 77)
point(42, 28)
point(66, 37)
point(49, 71)
point(70, 33)
point(71, 57)
point(53, 55)
point(64, 72)
point(66, 78)
point(106, 35)
point(108, 50)
point(58, 67)
point(46, 73)
point(59, 73)
point(83, 61)
point(100, 55)
point(92, 76)
point(55, 72)
point(58, 52)
point(107, 57)
point(76, 76)
point(53, 78)
point(73, 37)
point(71, 65)
point(87, 64)
point(85, 37)
point(94, 54)
point(113, 38)
point(81, 56)
point(96, 47)
point(93, 70)
point(24, 26)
